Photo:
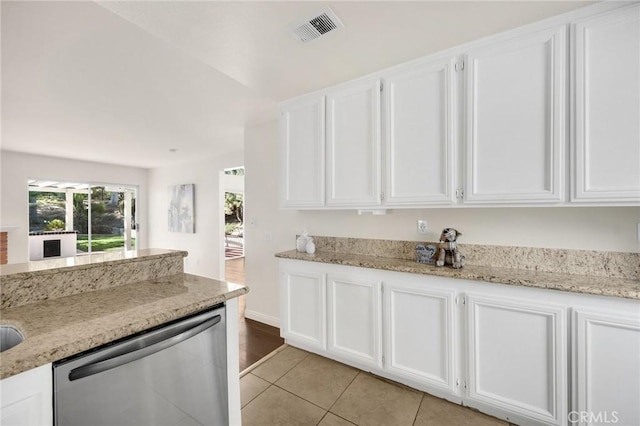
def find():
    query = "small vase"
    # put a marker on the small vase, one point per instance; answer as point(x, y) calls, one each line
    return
point(311, 247)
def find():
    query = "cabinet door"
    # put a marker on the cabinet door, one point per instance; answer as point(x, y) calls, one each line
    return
point(607, 369)
point(517, 359)
point(302, 150)
point(27, 398)
point(303, 306)
point(607, 107)
point(419, 127)
point(516, 119)
point(355, 321)
point(419, 330)
point(353, 145)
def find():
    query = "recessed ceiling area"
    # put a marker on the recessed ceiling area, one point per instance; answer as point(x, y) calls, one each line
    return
point(125, 82)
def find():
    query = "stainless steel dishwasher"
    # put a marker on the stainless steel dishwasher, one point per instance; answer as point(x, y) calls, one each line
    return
point(175, 374)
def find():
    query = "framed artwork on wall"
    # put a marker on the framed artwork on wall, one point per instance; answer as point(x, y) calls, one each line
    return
point(181, 208)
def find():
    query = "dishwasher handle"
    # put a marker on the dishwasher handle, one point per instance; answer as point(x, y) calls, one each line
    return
point(144, 346)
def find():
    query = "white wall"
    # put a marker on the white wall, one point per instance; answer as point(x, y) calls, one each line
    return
point(18, 168)
point(206, 244)
point(274, 230)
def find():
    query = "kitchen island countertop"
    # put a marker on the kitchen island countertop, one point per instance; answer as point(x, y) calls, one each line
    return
point(57, 328)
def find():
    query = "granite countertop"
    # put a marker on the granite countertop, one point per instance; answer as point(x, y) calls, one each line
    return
point(586, 284)
point(57, 328)
point(52, 266)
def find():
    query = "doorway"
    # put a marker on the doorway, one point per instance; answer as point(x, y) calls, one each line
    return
point(233, 187)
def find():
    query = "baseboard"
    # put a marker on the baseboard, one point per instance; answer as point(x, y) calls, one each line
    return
point(265, 319)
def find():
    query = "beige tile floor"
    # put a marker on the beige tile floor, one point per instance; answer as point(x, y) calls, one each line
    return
point(294, 387)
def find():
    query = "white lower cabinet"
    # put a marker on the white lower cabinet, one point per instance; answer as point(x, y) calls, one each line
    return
point(505, 350)
point(27, 398)
point(606, 382)
point(303, 305)
point(517, 358)
point(355, 323)
point(420, 335)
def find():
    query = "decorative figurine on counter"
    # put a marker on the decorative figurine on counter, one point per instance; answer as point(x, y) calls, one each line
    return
point(425, 254)
point(448, 253)
point(301, 242)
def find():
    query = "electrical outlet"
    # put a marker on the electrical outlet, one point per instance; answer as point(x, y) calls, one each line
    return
point(638, 230)
point(422, 227)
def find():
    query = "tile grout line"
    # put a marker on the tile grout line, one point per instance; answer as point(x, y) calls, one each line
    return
point(255, 397)
point(322, 418)
point(302, 398)
point(327, 410)
point(292, 367)
point(342, 393)
point(415, 418)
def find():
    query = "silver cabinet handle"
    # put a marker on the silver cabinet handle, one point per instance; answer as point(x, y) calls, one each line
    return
point(144, 346)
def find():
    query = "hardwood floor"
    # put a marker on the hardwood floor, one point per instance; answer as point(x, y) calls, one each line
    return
point(234, 270)
point(256, 339)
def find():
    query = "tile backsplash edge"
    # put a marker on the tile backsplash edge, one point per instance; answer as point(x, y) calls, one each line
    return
point(565, 261)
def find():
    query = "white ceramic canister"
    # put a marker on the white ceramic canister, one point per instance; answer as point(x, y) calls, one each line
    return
point(311, 246)
point(301, 242)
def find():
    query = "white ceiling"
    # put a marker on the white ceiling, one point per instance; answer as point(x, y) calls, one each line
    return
point(123, 82)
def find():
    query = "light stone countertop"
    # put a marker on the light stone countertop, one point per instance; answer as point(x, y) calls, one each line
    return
point(52, 266)
point(57, 328)
point(586, 284)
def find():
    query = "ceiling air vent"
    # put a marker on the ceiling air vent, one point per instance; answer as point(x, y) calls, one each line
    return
point(317, 25)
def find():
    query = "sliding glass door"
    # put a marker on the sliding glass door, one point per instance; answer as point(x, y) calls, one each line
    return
point(112, 218)
point(102, 217)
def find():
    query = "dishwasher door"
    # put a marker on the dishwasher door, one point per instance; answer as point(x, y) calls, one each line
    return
point(172, 375)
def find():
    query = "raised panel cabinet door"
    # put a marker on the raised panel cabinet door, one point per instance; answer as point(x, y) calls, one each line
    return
point(419, 330)
point(353, 145)
point(302, 151)
point(419, 124)
point(27, 398)
point(303, 306)
point(607, 107)
point(517, 359)
point(607, 369)
point(516, 119)
point(355, 322)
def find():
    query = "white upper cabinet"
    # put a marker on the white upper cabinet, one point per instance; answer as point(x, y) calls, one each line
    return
point(302, 150)
point(515, 129)
point(353, 145)
point(607, 107)
point(419, 122)
point(489, 130)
